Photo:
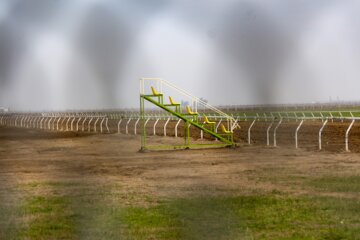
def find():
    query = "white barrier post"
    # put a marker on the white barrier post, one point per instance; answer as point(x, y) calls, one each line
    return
point(57, 124)
point(249, 131)
point(42, 119)
point(347, 135)
point(89, 126)
point(320, 132)
point(32, 122)
point(277, 126)
point(77, 124)
point(106, 124)
point(72, 124)
point(119, 125)
point(157, 120)
point(16, 121)
point(67, 122)
point(101, 123)
point(49, 123)
point(136, 123)
point(217, 126)
point(21, 121)
point(342, 117)
point(25, 119)
point(62, 124)
point(166, 123)
point(176, 127)
point(83, 125)
point(127, 126)
point(267, 133)
point(296, 133)
point(97, 119)
point(147, 120)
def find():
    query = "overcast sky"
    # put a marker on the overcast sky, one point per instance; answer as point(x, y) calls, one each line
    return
point(87, 54)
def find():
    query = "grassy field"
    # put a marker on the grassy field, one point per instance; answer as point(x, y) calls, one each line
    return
point(71, 211)
point(78, 191)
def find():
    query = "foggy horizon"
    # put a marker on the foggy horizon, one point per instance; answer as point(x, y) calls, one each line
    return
point(90, 54)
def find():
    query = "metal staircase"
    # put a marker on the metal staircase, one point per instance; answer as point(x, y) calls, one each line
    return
point(190, 118)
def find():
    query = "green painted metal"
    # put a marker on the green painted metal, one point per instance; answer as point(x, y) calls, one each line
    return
point(187, 121)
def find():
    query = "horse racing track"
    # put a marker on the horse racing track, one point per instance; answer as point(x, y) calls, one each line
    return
point(87, 185)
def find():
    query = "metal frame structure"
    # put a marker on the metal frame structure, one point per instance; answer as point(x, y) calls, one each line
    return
point(189, 118)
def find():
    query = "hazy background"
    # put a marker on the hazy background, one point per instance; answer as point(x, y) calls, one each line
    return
point(85, 54)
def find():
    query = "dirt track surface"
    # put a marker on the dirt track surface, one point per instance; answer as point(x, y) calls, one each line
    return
point(30, 156)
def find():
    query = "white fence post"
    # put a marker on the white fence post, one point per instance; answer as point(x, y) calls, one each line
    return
point(176, 127)
point(119, 125)
point(101, 124)
point(277, 126)
point(320, 132)
point(157, 120)
point(89, 126)
point(127, 125)
point(347, 136)
point(83, 123)
point(67, 124)
point(97, 119)
point(57, 124)
point(217, 126)
point(166, 123)
point(135, 126)
point(267, 133)
point(77, 124)
point(296, 133)
point(249, 131)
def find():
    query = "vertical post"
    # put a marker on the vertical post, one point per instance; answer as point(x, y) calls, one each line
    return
point(83, 123)
point(127, 125)
point(176, 127)
point(89, 126)
point(296, 133)
point(101, 124)
point(118, 125)
point(267, 133)
point(249, 131)
point(57, 124)
point(106, 124)
point(67, 124)
point(166, 123)
point(277, 126)
point(143, 122)
point(136, 123)
point(320, 132)
point(187, 133)
point(154, 127)
point(72, 125)
point(347, 135)
point(97, 119)
point(62, 124)
point(217, 126)
point(77, 124)
point(49, 124)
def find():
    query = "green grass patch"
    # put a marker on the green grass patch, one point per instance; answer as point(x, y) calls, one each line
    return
point(47, 217)
point(337, 183)
point(245, 217)
point(101, 213)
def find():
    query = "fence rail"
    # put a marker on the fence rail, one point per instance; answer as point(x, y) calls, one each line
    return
point(161, 123)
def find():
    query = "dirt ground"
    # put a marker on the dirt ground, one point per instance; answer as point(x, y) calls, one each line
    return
point(68, 185)
point(30, 155)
